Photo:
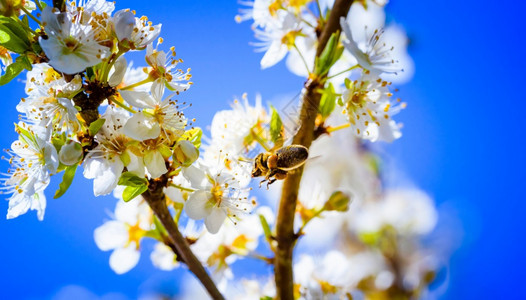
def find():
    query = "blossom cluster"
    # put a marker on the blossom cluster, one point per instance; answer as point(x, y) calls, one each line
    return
point(87, 106)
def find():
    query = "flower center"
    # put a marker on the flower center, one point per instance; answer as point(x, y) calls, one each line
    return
point(71, 44)
point(217, 194)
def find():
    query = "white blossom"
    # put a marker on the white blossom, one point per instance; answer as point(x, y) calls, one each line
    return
point(157, 116)
point(104, 163)
point(123, 234)
point(368, 106)
point(70, 46)
point(33, 160)
point(218, 195)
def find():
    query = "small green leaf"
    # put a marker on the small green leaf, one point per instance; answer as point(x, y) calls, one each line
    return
point(89, 73)
point(12, 36)
point(67, 179)
point(276, 127)
point(330, 54)
point(193, 135)
point(21, 63)
point(130, 179)
point(95, 126)
point(265, 226)
point(328, 101)
point(131, 192)
point(338, 201)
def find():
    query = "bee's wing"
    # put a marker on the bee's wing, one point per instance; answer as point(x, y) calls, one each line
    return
point(290, 116)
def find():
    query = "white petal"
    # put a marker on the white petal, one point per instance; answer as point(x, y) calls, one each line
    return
point(136, 165)
point(174, 194)
point(157, 89)
point(196, 176)
point(274, 54)
point(198, 205)
point(18, 205)
point(111, 235)
point(155, 164)
point(93, 167)
point(141, 127)
point(124, 259)
point(138, 99)
point(104, 183)
point(119, 70)
point(124, 22)
point(39, 204)
point(216, 218)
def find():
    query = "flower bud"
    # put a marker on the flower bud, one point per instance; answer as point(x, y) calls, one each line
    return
point(123, 24)
point(338, 201)
point(185, 153)
point(70, 153)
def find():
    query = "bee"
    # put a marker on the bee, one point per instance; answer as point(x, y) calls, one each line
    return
point(276, 164)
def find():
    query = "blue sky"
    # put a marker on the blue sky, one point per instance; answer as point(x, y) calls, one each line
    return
point(462, 143)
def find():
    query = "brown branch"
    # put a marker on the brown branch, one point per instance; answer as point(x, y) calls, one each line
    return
point(285, 236)
point(155, 197)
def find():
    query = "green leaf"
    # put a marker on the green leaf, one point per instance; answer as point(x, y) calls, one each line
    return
point(95, 126)
point(276, 127)
point(130, 179)
point(67, 179)
point(330, 54)
point(193, 135)
point(89, 73)
point(21, 63)
point(12, 36)
point(131, 192)
point(328, 101)
point(266, 227)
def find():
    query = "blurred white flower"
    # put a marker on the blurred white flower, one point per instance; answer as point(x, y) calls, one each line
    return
point(373, 53)
point(163, 257)
point(123, 234)
point(409, 211)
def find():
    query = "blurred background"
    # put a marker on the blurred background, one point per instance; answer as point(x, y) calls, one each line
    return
point(462, 143)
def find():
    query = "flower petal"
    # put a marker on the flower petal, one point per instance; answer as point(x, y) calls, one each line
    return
point(141, 127)
point(216, 218)
point(138, 99)
point(124, 259)
point(111, 235)
point(198, 205)
point(155, 164)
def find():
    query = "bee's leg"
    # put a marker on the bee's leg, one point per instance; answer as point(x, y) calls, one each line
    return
point(271, 181)
point(261, 182)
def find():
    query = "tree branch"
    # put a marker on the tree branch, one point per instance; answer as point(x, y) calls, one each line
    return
point(155, 197)
point(285, 235)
